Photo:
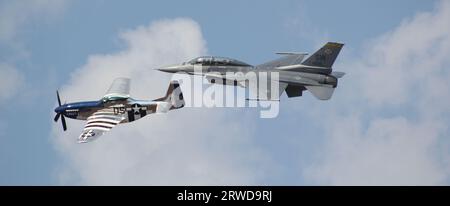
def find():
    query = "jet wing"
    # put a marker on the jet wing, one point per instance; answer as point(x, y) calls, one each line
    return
point(299, 80)
point(99, 123)
point(120, 88)
point(256, 94)
point(288, 59)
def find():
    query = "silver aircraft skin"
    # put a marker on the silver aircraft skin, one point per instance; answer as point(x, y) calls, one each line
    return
point(315, 74)
point(116, 107)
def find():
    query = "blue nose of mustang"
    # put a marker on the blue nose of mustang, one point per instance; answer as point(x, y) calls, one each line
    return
point(60, 109)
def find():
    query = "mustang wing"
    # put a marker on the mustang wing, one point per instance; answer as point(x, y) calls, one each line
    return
point(99, 123)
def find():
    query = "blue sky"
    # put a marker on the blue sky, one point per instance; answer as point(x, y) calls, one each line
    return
point(52, 42)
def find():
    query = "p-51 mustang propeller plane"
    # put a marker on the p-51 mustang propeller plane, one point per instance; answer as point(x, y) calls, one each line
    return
point(116, 107)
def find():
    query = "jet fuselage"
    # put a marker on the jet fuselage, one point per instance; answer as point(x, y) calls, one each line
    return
point(292, 74)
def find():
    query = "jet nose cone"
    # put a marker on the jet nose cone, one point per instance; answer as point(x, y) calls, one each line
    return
point(164, 70)
point(171, 69)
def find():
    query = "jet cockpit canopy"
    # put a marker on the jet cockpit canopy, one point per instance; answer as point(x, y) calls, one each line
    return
point(216, 61)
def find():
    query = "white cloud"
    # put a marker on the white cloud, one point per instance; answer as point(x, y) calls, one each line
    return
point(14, 14)
point(407, 58)
point(391, 151)
point(300, 25)
point(398, 95)
point(11, 80)
point(186, 146)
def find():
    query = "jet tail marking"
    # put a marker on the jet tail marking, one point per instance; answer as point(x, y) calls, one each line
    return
point(325, 56)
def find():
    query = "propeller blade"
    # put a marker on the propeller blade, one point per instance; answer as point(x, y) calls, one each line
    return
point(63, 121)
point(57, 117)
point(59, 100)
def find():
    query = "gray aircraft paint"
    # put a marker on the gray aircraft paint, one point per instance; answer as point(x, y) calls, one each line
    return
point(315, 74)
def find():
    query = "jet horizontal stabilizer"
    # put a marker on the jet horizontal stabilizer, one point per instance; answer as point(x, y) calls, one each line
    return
point(338, 74)
point(321, 92)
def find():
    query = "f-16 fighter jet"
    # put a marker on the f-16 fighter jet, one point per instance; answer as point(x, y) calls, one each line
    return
point(116, 107)
point(315, 74)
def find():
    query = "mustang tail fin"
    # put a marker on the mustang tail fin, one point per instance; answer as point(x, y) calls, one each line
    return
point(325, 56)
point(174, 96)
